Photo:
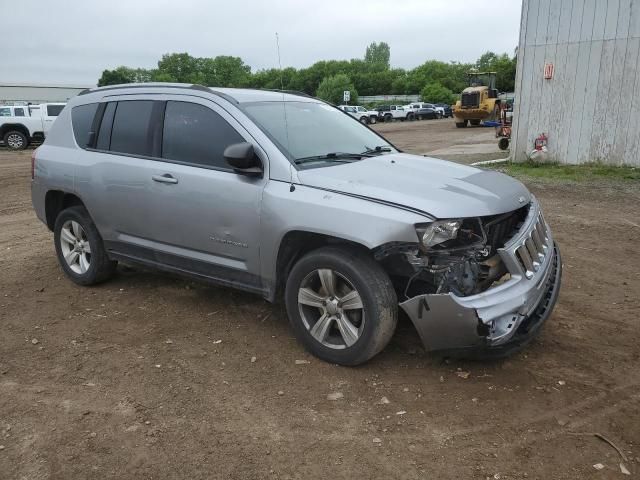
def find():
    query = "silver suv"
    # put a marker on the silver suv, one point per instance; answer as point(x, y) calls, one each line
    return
point(286, 196)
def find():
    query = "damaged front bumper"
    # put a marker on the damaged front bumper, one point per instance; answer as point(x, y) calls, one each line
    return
point(505, 317)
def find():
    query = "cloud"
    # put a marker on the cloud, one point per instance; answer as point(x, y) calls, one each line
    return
point(72, 41)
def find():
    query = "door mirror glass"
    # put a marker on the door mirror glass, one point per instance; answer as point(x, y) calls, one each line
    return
point(243, 159)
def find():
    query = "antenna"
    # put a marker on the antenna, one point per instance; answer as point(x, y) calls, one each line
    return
point(280, 64)
point(284, 107)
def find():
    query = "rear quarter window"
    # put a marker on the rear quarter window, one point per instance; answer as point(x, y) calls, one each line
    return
point(82, 120)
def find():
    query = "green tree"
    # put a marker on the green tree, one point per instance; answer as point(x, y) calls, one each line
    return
point(116, 76)
point(332, 88)
point(180, 67)
point(224, 71)
point(378, 53)
point(436, 93)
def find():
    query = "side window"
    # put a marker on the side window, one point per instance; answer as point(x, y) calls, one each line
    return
point(104, 134)
point(54, 110)
point(18, 112)
point(131, 132)
point(82, 119)
point(196, 134)
point(5, 112)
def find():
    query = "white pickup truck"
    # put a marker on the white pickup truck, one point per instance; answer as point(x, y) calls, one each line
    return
point(360, 113)
point(387, 113)
point(22, 124)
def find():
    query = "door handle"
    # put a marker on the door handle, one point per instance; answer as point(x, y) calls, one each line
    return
point(166, 178)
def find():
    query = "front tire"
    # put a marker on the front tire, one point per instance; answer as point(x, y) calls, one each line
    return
point(341, 305)
point(80, 249)
point(16, 140)
point(388, 118)
point(372, 120)
point(364, 120)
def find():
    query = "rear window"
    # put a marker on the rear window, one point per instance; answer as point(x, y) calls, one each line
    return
point(131, 127)
point(18, 112)
point(82, 119)
point(54, 110)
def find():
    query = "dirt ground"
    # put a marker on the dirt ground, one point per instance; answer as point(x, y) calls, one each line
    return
point(151, 376)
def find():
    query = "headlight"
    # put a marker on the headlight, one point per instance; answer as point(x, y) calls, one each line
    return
point(438, 232)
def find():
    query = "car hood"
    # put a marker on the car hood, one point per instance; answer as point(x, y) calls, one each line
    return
point(440, 188)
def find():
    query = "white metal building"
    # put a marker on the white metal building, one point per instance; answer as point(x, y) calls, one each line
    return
point(578, 81)
point(17, 94)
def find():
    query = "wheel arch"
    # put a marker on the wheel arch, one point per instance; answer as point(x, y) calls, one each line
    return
point(14, 127)
point(56, 201)
point(297, 243)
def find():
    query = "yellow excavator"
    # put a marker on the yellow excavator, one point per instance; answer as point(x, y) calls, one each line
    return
point(479, 101)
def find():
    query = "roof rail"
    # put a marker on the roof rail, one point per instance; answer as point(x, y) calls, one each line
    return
point(290, 92)
point(200, 88)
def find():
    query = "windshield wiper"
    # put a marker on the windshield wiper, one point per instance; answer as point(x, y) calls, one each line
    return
point(333, 157)
point(376, 150)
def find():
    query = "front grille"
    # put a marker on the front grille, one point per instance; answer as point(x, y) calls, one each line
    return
point(502, 228)
point(534, 247)
point(470, 100)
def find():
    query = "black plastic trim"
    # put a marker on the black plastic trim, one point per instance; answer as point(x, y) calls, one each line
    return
point(184, 266)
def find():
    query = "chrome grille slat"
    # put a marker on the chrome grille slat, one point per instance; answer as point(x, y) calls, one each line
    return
point(533, 244)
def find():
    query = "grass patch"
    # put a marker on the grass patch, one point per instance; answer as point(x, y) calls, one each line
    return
point(575, 173)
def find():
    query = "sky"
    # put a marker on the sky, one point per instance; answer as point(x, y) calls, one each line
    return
point(72, 41)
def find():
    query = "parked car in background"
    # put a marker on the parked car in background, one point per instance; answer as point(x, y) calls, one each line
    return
point(14, 111)
point(360, 113)
point(28, 124)
point(387, 113)
point(446, 110)
point(425, 111)
point(281, 195)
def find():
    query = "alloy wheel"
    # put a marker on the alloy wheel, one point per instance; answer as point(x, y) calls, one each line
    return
point(331, 309)
point(15, 141)
point(75, 246)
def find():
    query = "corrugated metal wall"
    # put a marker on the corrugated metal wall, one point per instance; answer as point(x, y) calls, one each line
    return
point(590, 109)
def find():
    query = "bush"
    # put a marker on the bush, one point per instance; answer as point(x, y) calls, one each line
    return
point(332, 88)
point(436, 93)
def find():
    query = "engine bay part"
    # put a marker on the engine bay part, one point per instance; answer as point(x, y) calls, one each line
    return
point(464, 265)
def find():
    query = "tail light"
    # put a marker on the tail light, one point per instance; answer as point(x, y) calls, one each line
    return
point(33, 164)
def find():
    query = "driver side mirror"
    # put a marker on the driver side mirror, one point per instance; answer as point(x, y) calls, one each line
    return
point(243, 159)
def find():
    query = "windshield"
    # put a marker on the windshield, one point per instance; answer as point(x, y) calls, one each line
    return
point(314, 129)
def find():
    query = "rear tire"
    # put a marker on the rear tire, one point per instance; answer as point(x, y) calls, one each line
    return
point(316, 292)
point(503, 143)
point(16, 140)
point(80, 249)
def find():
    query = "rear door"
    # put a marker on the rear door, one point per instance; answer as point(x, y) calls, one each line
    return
point(113, 176)
point(206, 218)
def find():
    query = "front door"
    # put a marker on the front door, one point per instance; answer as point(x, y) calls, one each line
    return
point(206, 218)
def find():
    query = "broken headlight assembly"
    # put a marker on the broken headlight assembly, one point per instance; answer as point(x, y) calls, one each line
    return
point(438, 232)
point(450, 235)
